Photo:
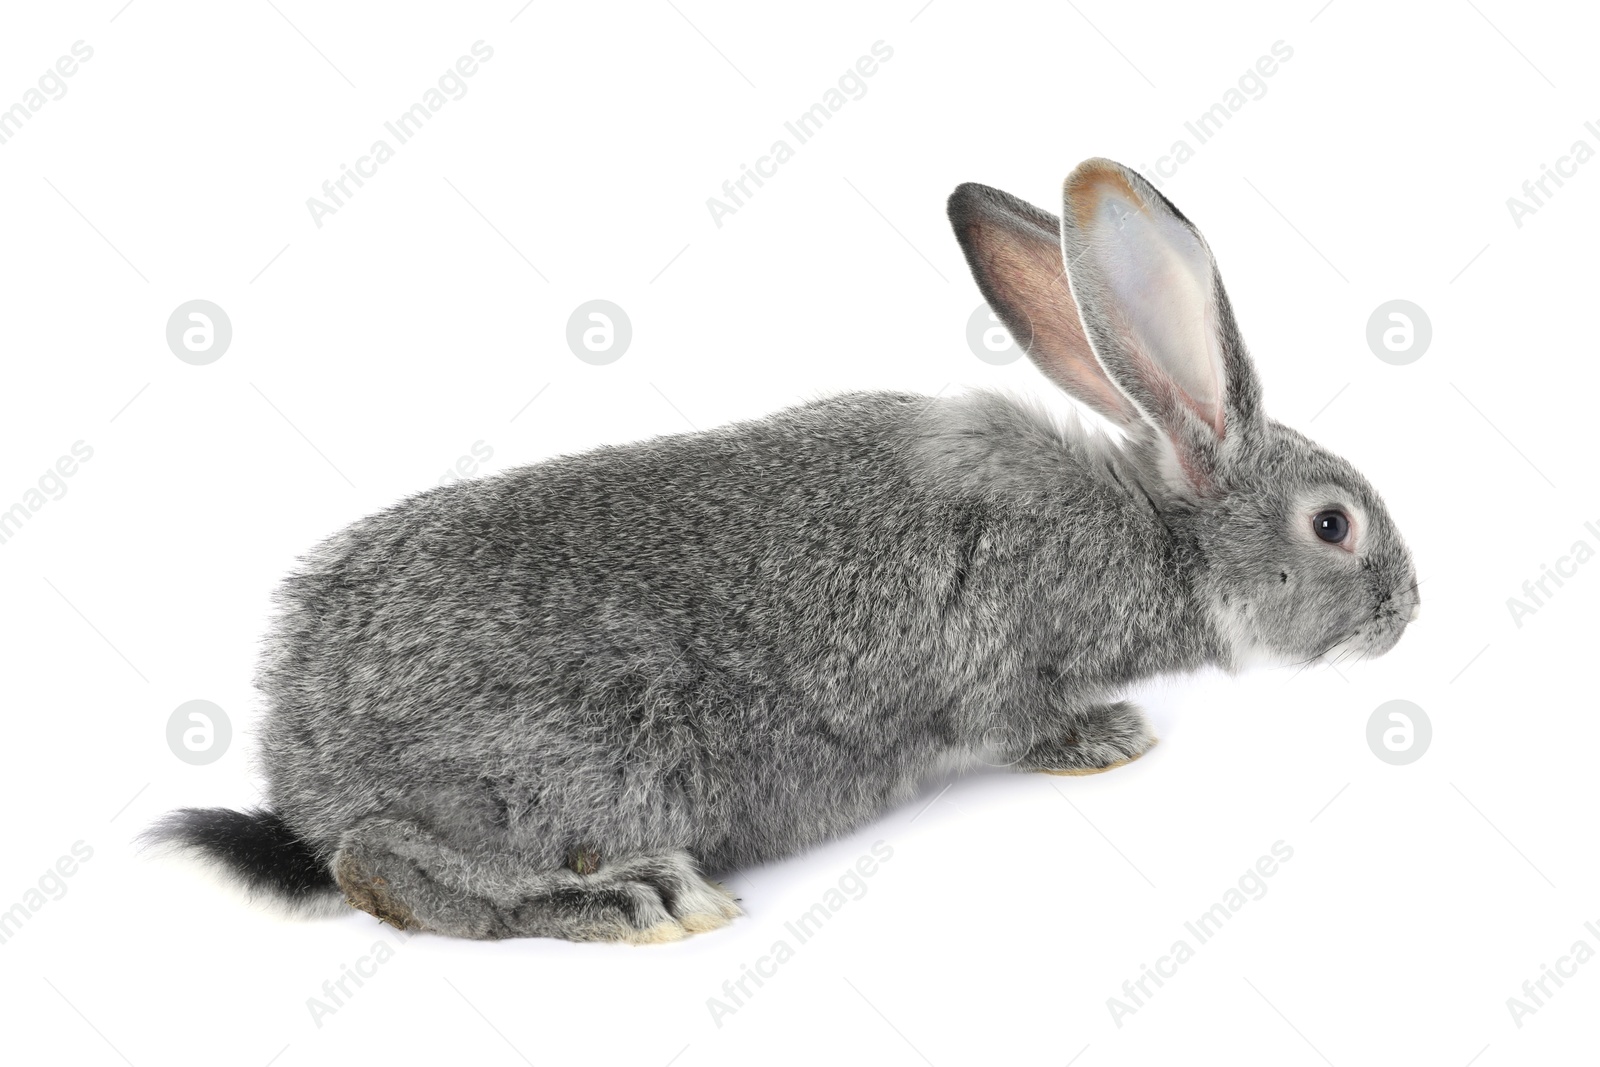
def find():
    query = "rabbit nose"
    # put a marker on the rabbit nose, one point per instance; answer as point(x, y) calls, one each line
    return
point(1416, 609)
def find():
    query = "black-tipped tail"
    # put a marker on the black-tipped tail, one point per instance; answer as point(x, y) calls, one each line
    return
point(254, 846)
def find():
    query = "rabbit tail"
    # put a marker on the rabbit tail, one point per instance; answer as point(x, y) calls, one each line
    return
point(255, 847)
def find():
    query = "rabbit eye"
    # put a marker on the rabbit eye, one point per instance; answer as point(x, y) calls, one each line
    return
point(1333, 526)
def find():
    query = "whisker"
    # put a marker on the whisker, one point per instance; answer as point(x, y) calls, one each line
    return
point(1307, 662)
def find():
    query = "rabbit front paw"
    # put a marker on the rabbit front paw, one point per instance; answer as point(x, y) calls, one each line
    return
point(1095, 739)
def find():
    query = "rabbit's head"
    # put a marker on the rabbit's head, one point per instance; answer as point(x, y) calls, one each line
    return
point(1120, 304)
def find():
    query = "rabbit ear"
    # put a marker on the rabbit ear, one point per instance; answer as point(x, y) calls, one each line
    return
point(1156, 314)
point(1014, 250)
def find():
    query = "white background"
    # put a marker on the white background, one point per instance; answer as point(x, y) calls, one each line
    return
point(373, 352)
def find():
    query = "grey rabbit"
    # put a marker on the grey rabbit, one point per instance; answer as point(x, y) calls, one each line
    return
point(550, 702)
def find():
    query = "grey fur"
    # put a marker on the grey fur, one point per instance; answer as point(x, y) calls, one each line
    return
point(543, 703)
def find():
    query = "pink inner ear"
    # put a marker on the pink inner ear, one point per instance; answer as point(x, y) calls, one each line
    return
point(1157, 284)
point(1031, 273)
